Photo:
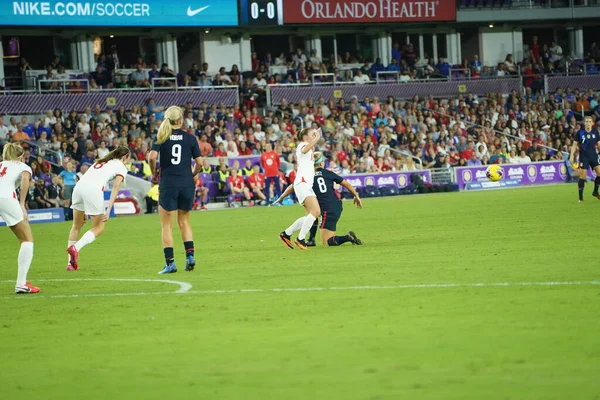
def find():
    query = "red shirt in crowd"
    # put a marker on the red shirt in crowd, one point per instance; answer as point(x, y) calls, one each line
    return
point(292, 177)
point(467, 153)
point(218, 153)
point(270, 163)
point(257, 179)
point(236, 181)
point(341, 156)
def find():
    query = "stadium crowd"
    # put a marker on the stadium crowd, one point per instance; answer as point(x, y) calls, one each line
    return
point(368, 135)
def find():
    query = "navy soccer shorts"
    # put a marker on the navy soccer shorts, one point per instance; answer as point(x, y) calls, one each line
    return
point(587, 162)
point(172, 199)
point(329, 219)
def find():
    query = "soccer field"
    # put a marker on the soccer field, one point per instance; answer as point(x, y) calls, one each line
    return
point(477, 295)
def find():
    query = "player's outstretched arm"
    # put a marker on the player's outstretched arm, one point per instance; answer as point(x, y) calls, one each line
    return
point(286, 193)
point(351, 189)
point(311, 145)
point(113, 196)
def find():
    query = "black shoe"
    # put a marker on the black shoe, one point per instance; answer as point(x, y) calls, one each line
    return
point(301, 243)
point(354, 239)
point(286, 239)
point(310, 243)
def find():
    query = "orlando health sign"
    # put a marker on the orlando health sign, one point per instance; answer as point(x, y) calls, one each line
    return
point(367, 11)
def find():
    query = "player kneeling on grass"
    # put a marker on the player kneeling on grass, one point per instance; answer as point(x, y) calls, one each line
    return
point(13, 211)
point(587, 140)
point(331, 206)
point(88, 199)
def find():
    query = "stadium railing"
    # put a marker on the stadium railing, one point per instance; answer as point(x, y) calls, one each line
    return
point(443, 175)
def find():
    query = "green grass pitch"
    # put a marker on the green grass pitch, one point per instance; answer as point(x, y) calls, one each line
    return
point(390, 331)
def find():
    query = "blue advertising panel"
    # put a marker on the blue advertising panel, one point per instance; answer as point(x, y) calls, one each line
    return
point(131, 13)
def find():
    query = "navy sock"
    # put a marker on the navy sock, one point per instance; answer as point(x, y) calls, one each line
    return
point(596, 184)
point(313, 230)
point(169, 258)
point(189, 248)
point(581, 185)
point(337, 240)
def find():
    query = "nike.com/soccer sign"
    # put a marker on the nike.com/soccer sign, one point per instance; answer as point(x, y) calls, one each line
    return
point(119, 13)
point(366, 11)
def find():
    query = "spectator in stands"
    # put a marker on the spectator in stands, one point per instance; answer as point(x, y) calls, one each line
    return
point(299, 58)
point(500, 72)
point(194, 73)
point(55, 192)
point(238, 188)
point(476, 63)
point(442, 67)
point(40, 195)
point(556, 54)
point(360, 78)
point(19, 135)
point(139, 77)
point(102, 77)
point(376, 67)
point(256, 181)
point(167, 76)
point(509, 65)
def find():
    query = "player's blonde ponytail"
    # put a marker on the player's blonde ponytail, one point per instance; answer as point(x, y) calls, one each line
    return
point(12, 152)
point(173, 118)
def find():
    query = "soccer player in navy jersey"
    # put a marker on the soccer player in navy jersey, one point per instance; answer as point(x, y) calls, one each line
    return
point(587, 140)
point(330, 204)
point(175, 148)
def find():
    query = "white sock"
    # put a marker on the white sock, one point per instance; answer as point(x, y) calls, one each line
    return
point(70, 243)
point(295, 227)
point(308, 222)
point(25, 257)
point(86, 239)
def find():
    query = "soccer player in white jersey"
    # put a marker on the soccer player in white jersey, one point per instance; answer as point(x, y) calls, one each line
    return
point(303, 186)
point(88, 199)
point(13, 211)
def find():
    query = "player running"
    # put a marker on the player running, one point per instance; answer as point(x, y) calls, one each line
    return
point(303, 186)
point(586, 139)
point(331, 206)
point(13, 211)
point(88, 199)
point(177, 190)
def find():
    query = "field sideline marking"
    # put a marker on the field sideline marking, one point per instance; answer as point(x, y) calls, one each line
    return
point(184, 287)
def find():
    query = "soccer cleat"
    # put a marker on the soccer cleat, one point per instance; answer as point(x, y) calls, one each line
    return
point(286, 239)
point(204, 208)
point(26, 288)
point(596, 195)
point(310, 243)
point(190, 263)
point(354, 239)
point(250, 204)
point(73, 258)
point(168, 269)
point(581, 201)
point(301, 244)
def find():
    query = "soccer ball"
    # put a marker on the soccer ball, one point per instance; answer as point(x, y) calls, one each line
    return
point(494, 173)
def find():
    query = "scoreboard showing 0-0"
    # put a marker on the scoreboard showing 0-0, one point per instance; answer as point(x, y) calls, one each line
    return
point(261, 12)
